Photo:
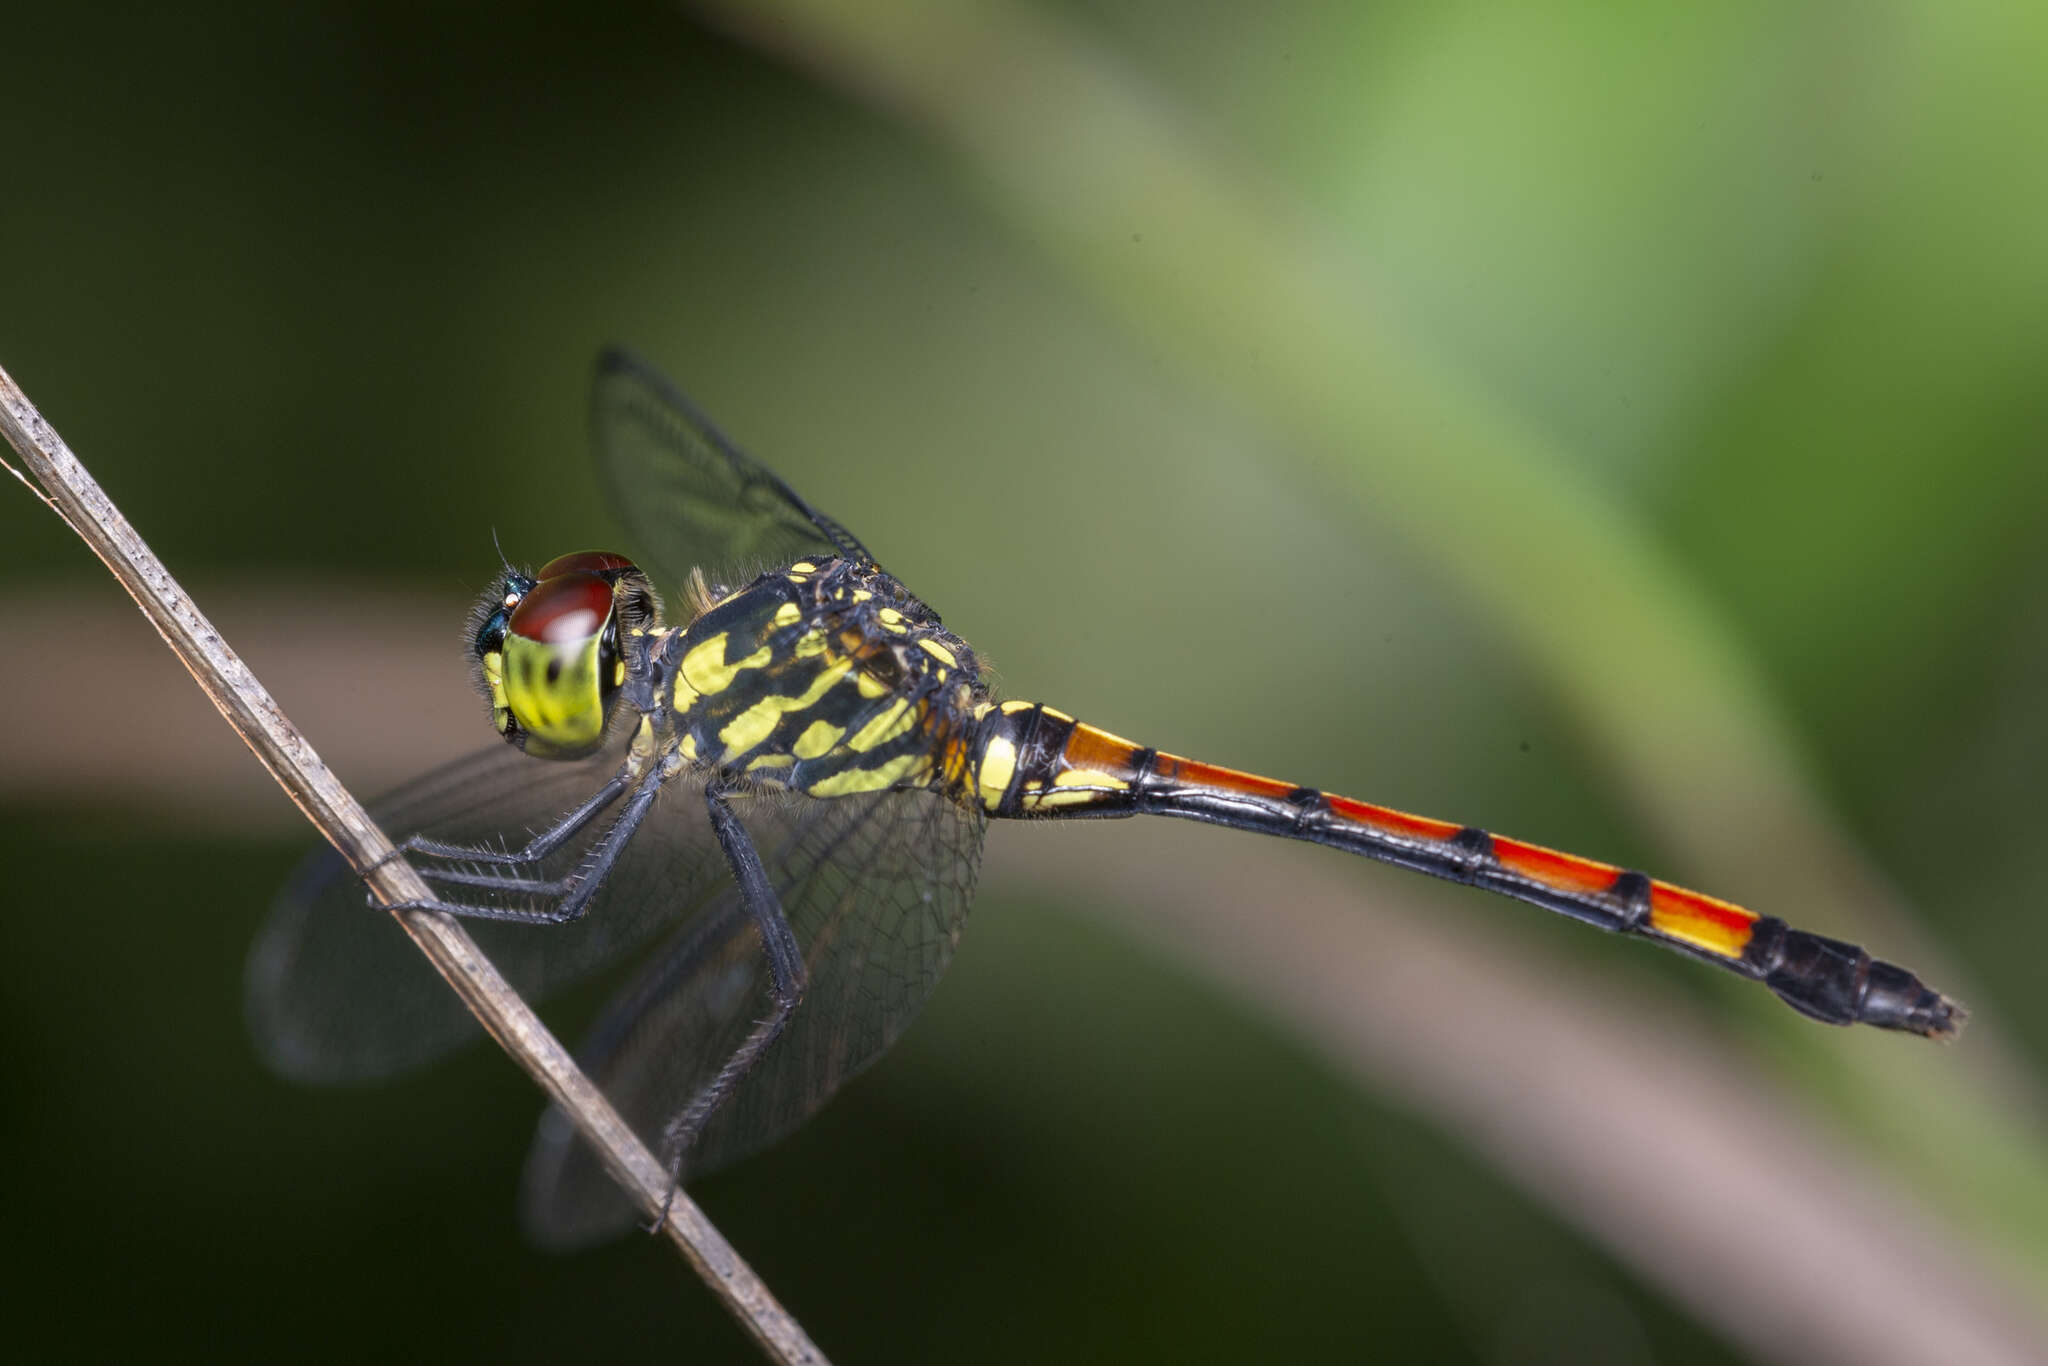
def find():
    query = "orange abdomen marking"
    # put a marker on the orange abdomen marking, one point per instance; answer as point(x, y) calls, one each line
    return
point(1096, 750)
point(1222, 779)
point(1386, 819)
point(1565, 872)
point(1703, 921)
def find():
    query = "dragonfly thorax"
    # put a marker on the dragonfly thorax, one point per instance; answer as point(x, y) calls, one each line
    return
point(826, 676)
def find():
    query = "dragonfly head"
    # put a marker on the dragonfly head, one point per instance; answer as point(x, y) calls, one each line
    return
point(547, 649)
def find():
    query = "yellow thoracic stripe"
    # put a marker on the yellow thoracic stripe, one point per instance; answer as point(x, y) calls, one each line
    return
point(895, 720)
point(758, 722)
point(705, 667)
point(874, 779)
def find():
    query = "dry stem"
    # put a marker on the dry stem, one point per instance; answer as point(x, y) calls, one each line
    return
point(256, 717)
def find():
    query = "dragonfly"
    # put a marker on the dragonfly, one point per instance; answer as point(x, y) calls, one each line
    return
point(767, 816)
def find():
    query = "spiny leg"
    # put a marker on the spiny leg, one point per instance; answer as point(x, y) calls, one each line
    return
point(535, 849)
point(574, 889)
point(788, 979)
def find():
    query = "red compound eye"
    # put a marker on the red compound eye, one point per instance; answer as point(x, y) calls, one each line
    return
point(563, 608)
point(602, 562)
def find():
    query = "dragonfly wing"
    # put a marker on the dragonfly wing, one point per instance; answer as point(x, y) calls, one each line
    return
point(876, 888)
point(688, 495)
point(336, 992)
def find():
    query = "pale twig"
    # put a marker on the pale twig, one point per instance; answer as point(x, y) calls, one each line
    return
point(249, 708)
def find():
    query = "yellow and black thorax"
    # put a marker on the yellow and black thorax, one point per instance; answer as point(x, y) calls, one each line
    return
point(828, 678)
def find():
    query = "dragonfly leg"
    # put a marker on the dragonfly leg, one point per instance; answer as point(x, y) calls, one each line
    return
point(571, 892)
point(535, 849)
point(788, 979)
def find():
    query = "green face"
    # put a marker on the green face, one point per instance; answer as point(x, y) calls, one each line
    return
point(554, 692)
point(548, 650)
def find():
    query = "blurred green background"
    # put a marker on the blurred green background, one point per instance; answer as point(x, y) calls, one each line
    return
point(1620, 427)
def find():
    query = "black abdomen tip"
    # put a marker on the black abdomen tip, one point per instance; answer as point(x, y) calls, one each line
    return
point(1841, 984)
point(1896, 999)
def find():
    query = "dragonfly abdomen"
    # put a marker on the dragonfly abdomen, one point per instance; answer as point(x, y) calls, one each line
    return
point(1036, 762)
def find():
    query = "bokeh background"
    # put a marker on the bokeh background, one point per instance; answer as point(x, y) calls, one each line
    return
point(1617, 426)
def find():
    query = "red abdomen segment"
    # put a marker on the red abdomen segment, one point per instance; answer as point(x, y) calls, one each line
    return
point(1034, 762)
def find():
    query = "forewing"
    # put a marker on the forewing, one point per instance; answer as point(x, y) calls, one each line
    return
point(876, 888)
point(336, 992)
point(688, 495)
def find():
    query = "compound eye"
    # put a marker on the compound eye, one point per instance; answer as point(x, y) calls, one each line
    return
point(560, 668)
point(604, 563)
point(563, 608)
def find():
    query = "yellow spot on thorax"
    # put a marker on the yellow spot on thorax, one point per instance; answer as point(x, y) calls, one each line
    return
point(818, 738)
